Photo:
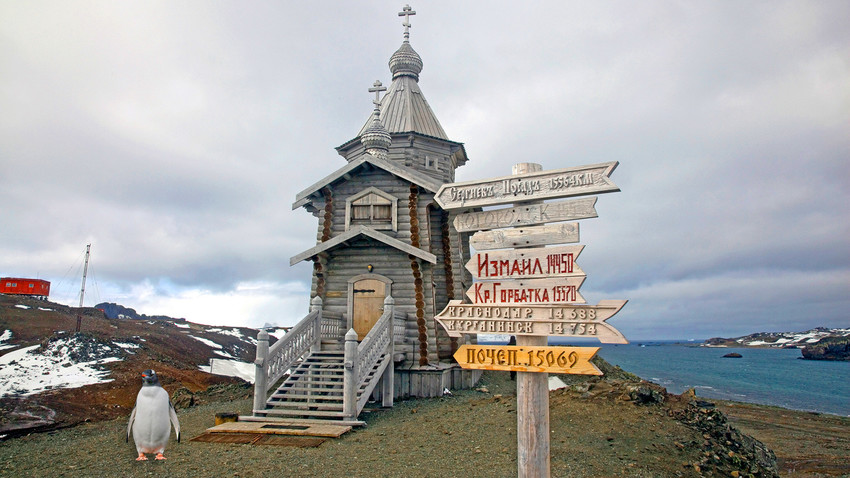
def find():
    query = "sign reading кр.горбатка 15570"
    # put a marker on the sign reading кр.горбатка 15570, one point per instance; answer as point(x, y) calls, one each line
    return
point(556, 183)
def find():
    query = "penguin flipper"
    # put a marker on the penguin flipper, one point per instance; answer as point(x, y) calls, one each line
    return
point(174, 422)
point(130, 424)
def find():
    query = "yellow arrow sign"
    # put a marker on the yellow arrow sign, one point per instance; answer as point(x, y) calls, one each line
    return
point(572, 360)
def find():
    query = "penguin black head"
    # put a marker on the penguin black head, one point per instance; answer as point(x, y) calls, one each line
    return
point(149, 378)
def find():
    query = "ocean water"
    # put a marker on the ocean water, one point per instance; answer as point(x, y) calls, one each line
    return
point(765, 376)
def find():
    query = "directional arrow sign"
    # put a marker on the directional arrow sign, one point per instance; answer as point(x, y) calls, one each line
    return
point(528, 291)
point(572, 360)
point(539, 320)
point(525, 236)
point(530, 214)
point(556, 183)
point(526, 263)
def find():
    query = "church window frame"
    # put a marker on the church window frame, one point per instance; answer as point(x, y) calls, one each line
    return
point(372, 208)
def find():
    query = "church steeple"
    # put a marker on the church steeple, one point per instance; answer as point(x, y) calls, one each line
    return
point(407, 117)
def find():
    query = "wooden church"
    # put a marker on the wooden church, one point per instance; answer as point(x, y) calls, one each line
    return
point(387, 259)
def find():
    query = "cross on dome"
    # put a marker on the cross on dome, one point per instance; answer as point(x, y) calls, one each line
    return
point(406, 13)
point(377, 88)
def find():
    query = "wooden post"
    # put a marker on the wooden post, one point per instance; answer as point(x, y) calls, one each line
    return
point(260, 376)
point(316, 306)
point(532, 422)
point(349, 393)
point(532, 400)
point(387, 381)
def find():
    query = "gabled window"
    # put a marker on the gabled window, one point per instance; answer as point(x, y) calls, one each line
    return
point(372, 208)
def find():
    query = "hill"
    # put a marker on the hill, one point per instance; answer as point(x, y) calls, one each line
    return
point(53, 378)
point(820, 343)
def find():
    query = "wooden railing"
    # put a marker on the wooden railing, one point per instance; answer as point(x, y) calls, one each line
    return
point(272, 363)
point(376, 350)
point(333, 326)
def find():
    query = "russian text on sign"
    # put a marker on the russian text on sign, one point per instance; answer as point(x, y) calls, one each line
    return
point(551, 359)
point(527, 291)
point(526, 263)
point(558, 183)
point(572, 210)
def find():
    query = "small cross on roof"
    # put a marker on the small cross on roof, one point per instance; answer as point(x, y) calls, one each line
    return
point(406, 13)
point(377, 88)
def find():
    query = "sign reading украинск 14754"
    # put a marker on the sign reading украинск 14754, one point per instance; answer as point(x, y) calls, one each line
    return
point(556, 183)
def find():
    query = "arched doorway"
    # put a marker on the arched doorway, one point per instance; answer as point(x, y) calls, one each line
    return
point(366, 294)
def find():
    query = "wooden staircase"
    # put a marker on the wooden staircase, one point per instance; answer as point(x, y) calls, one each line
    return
point(314, 389)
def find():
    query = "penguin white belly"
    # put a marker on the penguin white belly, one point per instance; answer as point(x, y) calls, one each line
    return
point(152, 426)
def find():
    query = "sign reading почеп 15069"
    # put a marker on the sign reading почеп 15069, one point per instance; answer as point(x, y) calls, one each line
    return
point(557, 183)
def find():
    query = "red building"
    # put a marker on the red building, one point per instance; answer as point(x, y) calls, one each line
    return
point(34, 287)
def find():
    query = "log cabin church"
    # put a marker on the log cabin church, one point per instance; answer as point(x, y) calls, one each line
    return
point(387, 259)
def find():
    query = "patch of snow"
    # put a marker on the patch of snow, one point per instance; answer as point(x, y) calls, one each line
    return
point(182, 325)
point(783, 340)
point(230, 368)
point(65, 363)
point(46, 310)
point(235, 333)
point(127, 345)
point(758, 342)
point(223, 354)
point(7, 335)
point(278, 332)
point(206, 341)
point(21, 306)
point(556, 383)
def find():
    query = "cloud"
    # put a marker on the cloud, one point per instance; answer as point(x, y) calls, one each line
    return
point(175, 138)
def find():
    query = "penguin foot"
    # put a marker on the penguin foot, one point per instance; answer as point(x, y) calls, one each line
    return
point(159, 456)
point(142, 457)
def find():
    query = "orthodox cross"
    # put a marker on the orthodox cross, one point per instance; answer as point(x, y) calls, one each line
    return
point(377, 88)
point(406, 13)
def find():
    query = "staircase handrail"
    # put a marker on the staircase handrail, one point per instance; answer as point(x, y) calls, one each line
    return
point(273, 362)
point(359, 362)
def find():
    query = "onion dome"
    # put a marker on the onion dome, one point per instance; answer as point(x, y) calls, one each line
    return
point(406, 62)
point(375, 138)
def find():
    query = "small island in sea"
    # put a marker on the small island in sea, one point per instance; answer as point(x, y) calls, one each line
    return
point(820, 343)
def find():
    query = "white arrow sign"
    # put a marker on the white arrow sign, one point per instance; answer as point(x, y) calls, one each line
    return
point(557, 183)
point(584, 208)
point(539, 320)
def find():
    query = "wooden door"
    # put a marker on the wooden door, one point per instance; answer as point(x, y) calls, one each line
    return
point(368, 304)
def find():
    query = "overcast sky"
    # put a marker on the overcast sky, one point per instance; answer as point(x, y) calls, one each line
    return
point(174, 136)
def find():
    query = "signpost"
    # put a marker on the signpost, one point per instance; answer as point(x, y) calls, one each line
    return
point(530, 292)
point(571, 360)
point(525, 236)
point(527, 215)
point(526, 263)
point(538, 185)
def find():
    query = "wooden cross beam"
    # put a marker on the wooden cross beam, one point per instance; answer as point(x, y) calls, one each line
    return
point(406, 13)
point(377, 88)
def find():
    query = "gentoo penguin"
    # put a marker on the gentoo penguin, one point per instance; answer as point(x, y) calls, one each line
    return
point(149, 421)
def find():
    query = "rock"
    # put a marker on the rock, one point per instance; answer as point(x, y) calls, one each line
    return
point(646, 393)
point(832, 348)
point(733, 355)
point(183, 398)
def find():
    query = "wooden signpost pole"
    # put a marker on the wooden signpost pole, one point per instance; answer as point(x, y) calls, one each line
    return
point(529, 290)
point(532, 400)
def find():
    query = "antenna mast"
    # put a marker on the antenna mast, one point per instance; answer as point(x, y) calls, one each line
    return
point(83, 288)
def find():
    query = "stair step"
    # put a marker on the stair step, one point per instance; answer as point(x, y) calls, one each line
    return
point(292, 396)
point(299, 413)
point(303, 381)
point(305, 407)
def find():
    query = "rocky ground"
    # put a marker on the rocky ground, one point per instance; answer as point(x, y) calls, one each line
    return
point(614, 426)
point(599, 429)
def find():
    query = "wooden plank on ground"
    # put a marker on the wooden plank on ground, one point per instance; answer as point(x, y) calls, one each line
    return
point(292, 428)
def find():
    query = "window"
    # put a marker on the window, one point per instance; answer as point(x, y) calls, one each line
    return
point(372, 208)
